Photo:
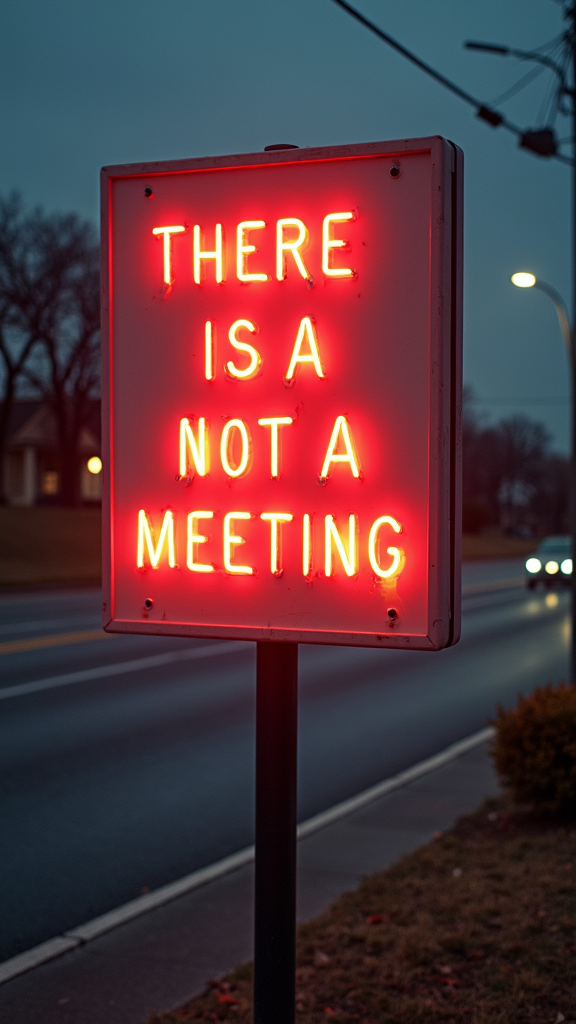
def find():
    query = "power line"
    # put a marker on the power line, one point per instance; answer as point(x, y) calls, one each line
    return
point(519, 85)
point(486, 113)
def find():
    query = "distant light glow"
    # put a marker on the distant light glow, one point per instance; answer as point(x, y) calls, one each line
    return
point(552, 567)
point(94, 465)
point(167, 232)
point(194, 538)
point(328, 244)
point(244, 248)
point(231, 540)
point(533, 564)
point(566, 566)
point(276, 519)
point(146, 540)
point(523, 280)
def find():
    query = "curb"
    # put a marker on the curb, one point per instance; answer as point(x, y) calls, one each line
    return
point(84, 933)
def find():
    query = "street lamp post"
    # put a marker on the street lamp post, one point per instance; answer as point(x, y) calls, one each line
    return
point(523, 279)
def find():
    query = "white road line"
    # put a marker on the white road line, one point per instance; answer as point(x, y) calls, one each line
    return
point(42, 625)
point(142, 904)
point(395, 782)
point(121, 668)
point(158, 660)
point(36, 956)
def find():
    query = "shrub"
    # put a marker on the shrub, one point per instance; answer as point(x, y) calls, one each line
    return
point(534, 750)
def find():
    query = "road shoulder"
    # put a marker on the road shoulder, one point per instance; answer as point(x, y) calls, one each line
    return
point(164, 957)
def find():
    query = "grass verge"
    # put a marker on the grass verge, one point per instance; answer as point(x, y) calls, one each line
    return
point(45, 546)
point(479, 926)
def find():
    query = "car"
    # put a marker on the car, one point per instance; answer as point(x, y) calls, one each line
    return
point(551, 563)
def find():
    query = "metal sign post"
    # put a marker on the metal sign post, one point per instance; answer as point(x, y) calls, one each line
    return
point(275, 868)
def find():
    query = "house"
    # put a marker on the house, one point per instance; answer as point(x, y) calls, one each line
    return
point(31, 470)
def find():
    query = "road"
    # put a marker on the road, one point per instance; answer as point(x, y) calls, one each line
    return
point(118, 778)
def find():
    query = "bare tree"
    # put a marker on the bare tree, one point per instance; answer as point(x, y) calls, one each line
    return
point(49, 309)
point(510, 473)
point(521, 452)
point(18, 276)
point(551, 502)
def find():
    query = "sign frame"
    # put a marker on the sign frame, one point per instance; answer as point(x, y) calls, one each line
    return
point(445, 394)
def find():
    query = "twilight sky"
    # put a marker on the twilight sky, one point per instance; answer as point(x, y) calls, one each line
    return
point(115, 81)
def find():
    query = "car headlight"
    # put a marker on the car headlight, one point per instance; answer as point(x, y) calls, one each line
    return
point(552, 567)
point(566, 566)
point(533, 565)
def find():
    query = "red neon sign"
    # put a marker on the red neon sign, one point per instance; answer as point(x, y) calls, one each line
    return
point(282, 369)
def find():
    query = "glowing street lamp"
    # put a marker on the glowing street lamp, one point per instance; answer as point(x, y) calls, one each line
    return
point(523, 279)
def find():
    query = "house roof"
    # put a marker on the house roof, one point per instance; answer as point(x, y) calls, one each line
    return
point(32, 424)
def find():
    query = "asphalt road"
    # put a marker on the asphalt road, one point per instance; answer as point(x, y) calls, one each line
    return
point(117, 778)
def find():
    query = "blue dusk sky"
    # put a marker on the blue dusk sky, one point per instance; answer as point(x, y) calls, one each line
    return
point(115, 81)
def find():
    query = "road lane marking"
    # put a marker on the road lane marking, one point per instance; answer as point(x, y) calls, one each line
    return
point(54, 640)
point(158, 660)
point(167, 893)
point(122, 667)
point(37, 625)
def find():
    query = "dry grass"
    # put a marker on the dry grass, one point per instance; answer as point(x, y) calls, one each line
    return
point(479, 926)
point(43, 546)
point(495, 545)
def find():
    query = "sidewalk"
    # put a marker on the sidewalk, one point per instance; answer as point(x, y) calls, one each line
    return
point(163, 958)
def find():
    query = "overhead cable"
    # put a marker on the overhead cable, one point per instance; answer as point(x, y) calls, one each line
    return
point(528, 139)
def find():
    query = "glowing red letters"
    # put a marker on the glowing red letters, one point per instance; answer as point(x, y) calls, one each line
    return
point(281, 347)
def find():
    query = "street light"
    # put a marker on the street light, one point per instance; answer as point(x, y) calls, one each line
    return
point(524, 279)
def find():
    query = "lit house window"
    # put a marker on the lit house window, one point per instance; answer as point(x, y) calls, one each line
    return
point(50, 482)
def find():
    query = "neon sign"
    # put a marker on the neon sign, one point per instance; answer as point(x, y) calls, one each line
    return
point(283, 392)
